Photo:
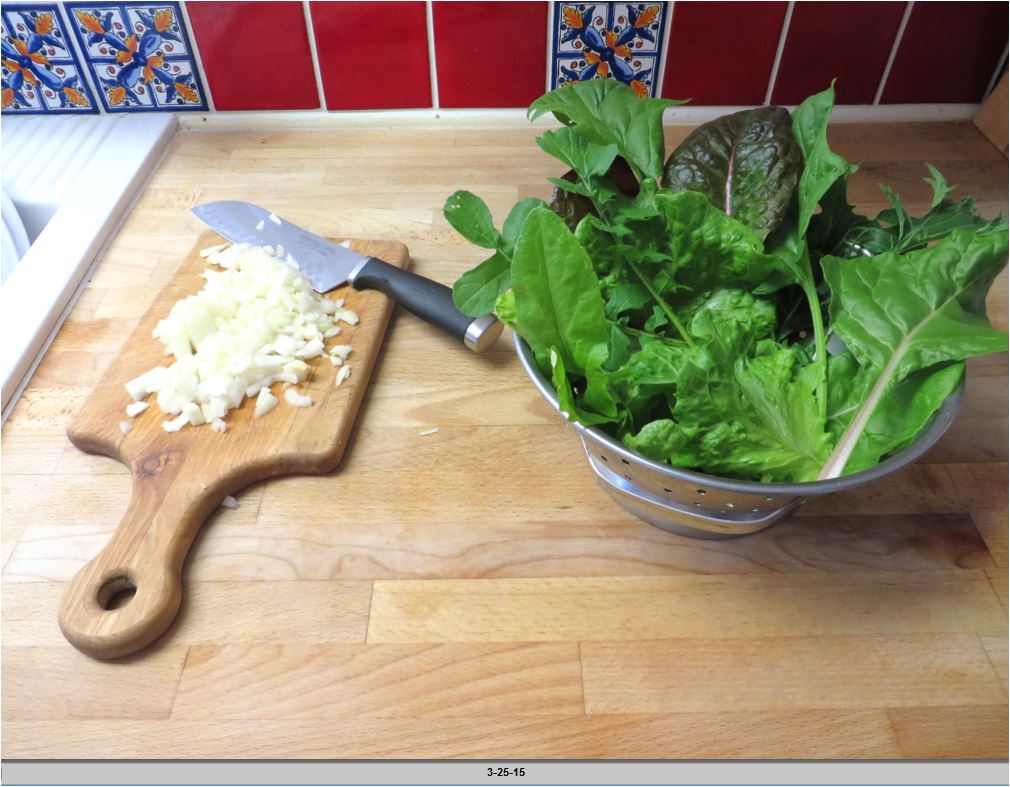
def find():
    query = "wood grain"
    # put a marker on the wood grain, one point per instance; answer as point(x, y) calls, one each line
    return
point(178, 479)
point(872, 625)
point(279, 681)
point(645, 608)
point(803, 673)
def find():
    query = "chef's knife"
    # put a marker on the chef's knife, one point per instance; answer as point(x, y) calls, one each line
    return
point(328, 265)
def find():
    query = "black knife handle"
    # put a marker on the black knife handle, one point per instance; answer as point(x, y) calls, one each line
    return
point(429, 300)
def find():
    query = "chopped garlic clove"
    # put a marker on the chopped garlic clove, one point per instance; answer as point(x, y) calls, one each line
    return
point(343, 374)
point(260, 225)
point(274, 219)
point(427, 432)
point(229, 502)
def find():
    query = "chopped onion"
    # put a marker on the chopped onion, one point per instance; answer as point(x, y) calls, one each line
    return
point(136, 408)
point(274, 219)
point(256, 322)
point(265, 402)
point(295, 399)
point(343, 374)
point(260, 225)
point(427, 432)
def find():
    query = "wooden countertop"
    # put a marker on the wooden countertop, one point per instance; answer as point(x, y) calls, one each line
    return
point(473, 593)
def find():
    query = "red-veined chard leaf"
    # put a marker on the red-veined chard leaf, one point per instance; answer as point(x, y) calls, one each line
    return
point(746, 164)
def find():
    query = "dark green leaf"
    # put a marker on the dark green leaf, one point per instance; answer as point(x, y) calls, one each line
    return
point(476, 291)
point(557, 300)
point(570, 147)
point(607, 112)
point(566, 396)
point(821, 166)
point(746, 164)
point(469, 216)
point(514, 223)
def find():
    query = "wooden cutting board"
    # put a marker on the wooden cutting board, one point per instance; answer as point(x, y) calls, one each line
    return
point(180, 478)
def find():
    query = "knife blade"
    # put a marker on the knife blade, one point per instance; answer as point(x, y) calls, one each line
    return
point(328, 265)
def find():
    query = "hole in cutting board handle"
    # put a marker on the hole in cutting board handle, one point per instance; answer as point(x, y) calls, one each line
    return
point(116, 592)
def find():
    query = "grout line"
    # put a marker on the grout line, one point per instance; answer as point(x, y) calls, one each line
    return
point(429, 19)
point(995, 75)
point(197, 60)
point(778, 52)
point(552, 62)
point(310, 30)
point(894, 52)
point(660, 76)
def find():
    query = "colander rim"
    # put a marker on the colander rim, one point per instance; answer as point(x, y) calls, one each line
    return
point(941, 422)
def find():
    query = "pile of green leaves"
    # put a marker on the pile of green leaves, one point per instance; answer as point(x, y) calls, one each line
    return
point(733, 314)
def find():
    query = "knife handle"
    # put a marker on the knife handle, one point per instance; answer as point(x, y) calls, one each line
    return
point(429, 300)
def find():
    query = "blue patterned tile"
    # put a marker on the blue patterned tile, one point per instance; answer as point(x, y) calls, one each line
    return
point(140, 56)
point(40, 71)
point(608, 41)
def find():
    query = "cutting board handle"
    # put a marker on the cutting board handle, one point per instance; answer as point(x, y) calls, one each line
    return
point(145, 555)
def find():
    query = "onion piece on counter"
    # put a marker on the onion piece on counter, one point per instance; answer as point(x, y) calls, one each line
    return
point(256, 322)
point(295, 399)
point(265, 402)
point(134, 409)
point(229, 502)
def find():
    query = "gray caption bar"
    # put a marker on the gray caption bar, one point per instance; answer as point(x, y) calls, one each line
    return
point(318, 772)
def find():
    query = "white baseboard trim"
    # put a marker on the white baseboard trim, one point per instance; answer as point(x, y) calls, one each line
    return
point(516, 118)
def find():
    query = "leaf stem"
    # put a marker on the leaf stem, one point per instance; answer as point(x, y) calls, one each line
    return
point(820, 340)
point(663, 305)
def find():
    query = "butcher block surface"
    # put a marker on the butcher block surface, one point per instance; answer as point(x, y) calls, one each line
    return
point(470, 592)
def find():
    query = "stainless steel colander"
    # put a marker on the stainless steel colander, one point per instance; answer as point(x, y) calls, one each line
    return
point(704, 506)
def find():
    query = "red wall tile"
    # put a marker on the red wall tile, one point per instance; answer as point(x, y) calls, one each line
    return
point(722, 53)
point(255, 54)
point(490, 54)
point(372, 55)
point(850, 41)
point(948, 53)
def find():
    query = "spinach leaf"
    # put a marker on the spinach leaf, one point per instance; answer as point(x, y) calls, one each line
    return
point(608, 112)
point(572, 148)
point(898, 313)
point(746, 164)
point(470, 217)
point(476, 291)
point(557, 301)
point(514, 223)
point(567, 403)
point(822, 167)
